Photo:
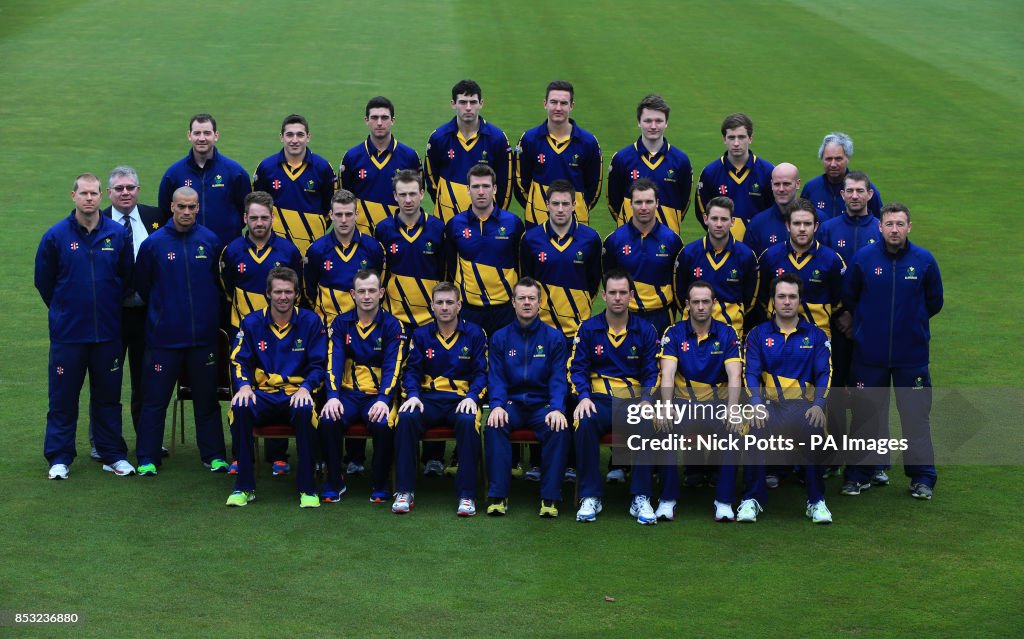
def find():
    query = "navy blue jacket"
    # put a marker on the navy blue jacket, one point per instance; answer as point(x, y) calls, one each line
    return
point(528, 365)
point(176, 275)
point(892, 297)
point(222, 185)
point(82, 278)
point(274, 359)
point(456, 366)
point(847, 234)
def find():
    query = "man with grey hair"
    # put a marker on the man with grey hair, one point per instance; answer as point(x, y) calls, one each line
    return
point(826, 190)
point(139, 220)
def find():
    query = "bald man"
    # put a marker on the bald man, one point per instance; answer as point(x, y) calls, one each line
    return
point(176, 275)
point(769, 226)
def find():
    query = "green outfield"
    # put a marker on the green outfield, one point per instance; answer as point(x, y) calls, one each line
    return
point(931, 93)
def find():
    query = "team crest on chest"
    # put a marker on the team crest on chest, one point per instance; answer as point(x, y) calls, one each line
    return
point(241, 267)
point(74, 246)
point(878, 270)
point(540, 158)
point(770, 342)
point(627, 249)
point(362, 174)
point(542, 257)
point(634, 175)
point(599, 349)
point(170, 256)
point(276, 184)
point(262, 345)
point(723, 189)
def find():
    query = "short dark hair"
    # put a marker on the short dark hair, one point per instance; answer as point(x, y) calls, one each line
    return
point(700, 284)
point(616, 273)
point(258, 197)
point(721, 202)
point(364, 273)
point(202, 117)
point(858, 176)
point(787, 278)
point(800, 204)
point(407, 175)
point(295, 118)
point(380, 102)
point(643, 184)
point(894, 207)
point(343, 196)
point(737, 120)
point(560, 85)
point(528, 282)
point(653, 102)
point(285, 274)
point(444, 287)
point(482, 170)
point(561, 186)
point(467, 87)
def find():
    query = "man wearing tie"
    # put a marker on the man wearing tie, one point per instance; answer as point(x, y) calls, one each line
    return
point(140, 220)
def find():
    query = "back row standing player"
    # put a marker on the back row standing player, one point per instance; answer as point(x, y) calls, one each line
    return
point(301, 183)
point(367, 168)
point(652, 157)
point(738, 174)
point(826, 190)
point(457, 146)
point(558, 149)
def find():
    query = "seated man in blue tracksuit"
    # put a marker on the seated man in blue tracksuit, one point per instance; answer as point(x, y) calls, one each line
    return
point(444, 383)
point(176, 275)
point(527, 386)
point(893, 288)
point(364, 361)
point(614, 356)
point(277, 364)
point(788, 375)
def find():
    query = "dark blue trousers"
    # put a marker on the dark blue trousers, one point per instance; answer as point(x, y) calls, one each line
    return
point(498, 448)
point(356, 406)
point(587, 438)
point(68, 365)
point(160, 372)
point(785, 419)
point(438, 410)
point(271, 408)
point(913, 389)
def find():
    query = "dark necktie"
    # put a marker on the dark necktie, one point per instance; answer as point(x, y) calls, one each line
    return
point(127, 221)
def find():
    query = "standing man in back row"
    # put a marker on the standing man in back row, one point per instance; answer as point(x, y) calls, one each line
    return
point(220, 183)
point(458, 145)
point(367, 168)
point(652, 157)
point(558, 148)
point(826, 190)
point(301, 183)
point(739, 175)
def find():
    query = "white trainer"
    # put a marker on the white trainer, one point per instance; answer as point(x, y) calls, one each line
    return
point(748, 510)
point(58, 471)
point(819, 513)
point(467, 508)
point(666, 510)
point(403, 503)
point(723, 512)
point(589, 508)
point(121, 468)
point(641, 509)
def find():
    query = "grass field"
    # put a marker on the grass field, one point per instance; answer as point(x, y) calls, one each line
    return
point(932, 94)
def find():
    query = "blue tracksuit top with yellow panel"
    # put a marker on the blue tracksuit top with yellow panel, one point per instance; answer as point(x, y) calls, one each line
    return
point(279, 360)
point(244, 269)
point(648, 259)
point(623, 364)
point(732, 273)
point(449, 158)
point(794, 365)
point(331, 267)
point(365, 358)
point(541, 159)
point(367, 173)
point(669, 168)
point(302, 196)
point(701, 359)
point(892, 297)
point(750, 189)
point(766, 229)
point(847, 234)
point(828, 197)
point(527, 365)
point(222, 185)
point(176, 274)
point(568, 269)
point(82, 278)
point(482, 256)
point(415, 265)
point(456, 366)
point(820, 268)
